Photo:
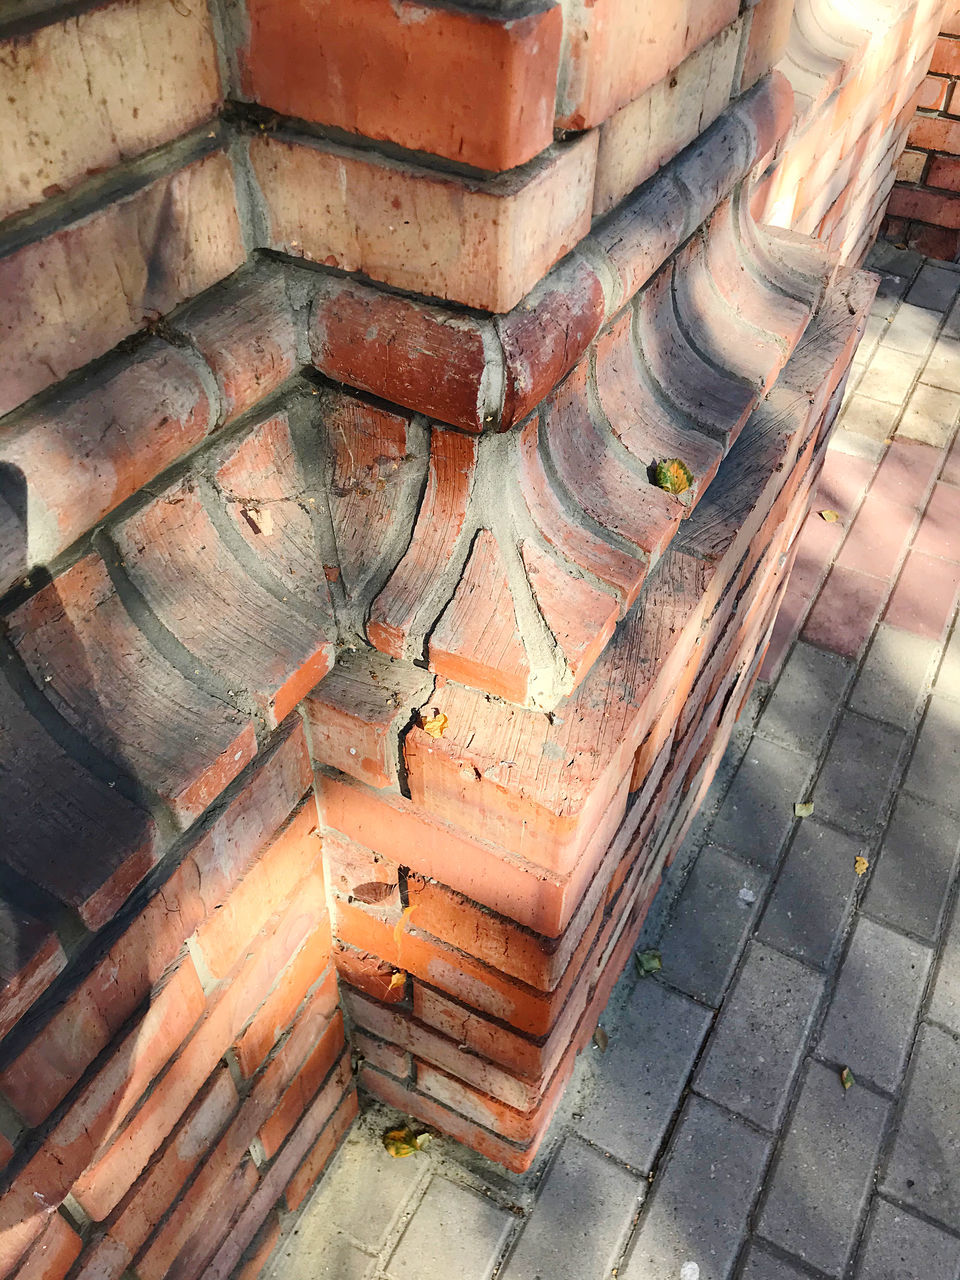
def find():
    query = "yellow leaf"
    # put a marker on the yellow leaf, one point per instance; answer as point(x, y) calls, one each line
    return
point(831, 517)
point(674, 476)
point(846, 1077)
point(435, 725)
point(860, 865)
point(398, 979)
point(402, 924)
point(803, 810)
point(400, 1142)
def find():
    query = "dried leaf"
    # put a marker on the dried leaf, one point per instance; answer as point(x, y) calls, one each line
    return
point(647, 962)
point(803, 810)
point(373, 891)
point(831, 517)
point(423, 1140)
point(402, 924)
point(400, 1142)
point(860, 865)
point(846, 1077)
point(398, 979)
point(674, 476)
point(435, 725)
point(601, 1039)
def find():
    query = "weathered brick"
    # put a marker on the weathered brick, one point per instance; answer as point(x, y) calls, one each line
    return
point(178, 561)
point(53, 1254)
point(476, 88)
point(84, 451)
point(103, 675)
point(31, 956)
point(767, 39)
point(97, 109)
point(99, 280)
point(276, 1014)
point(301, 1089)
point(406, 227)
point(309, 1171)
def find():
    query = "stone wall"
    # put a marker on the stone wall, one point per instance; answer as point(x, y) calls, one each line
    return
point(360, 675)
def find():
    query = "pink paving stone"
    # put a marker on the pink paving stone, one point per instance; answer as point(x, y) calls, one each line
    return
point(843, 483)
point(846, 611)
point(817, 544)
point(878, 538)
point(939, 532)
point(951, 470)
point(925, 596)
point(907, 472)
point(793, 610)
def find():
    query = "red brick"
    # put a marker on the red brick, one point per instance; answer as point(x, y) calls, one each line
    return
point(484, 243)
point(83, 649)
point(767, 41)
point(395, 624)
point(277, 1012)
point(408, 352)
point(98, 280)
point(925, 598)
point(944, 172)
point(940, 208)
point(946, 56)
point(53, 1254)
point(475, 88)
point(209, 1231)
point(878, 537)
point(516, 1126)
point(247, 334)
point(302, 1087)
point(950, 22)
point(143, 412)
point(258, 1253)
point(313, 1165)
point(30, 958)
point(934, 242)
point(939, 532)
point(935, 133)
point(357, 713)
point(843, 482)
point(290, 864)
point(907, 473)
point(176, 558)
point(370, 974)
point(381, 1053)
point(845, 612)
point(933, 93)
point(94, 111)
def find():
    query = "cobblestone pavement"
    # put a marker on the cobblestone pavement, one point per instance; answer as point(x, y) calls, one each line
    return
point(713, 1138)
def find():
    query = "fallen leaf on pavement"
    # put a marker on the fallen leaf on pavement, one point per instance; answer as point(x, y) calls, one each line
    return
point(803, 810)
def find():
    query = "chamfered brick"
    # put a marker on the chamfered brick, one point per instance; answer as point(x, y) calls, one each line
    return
point(475, 88)
point(483, 243)
point(97, 108)
point(74, 295)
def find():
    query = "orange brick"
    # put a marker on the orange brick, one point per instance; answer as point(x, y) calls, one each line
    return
point(277, 1012)
point(944, 172)
point(769, 31)
point(54, 1253)
point(939, 207)
point(309, 1171)
point(946, 56)
point(258, 1254)
point(31, 958)
point(303, 1086)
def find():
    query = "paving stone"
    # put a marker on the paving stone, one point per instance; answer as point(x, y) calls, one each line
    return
point(930, 415)
point(890, 260)
point(824, 1171)
point(895, 675)
point(907, 473)
point(945, 1001)
point(858, 773)
point(697, 1211)
point(454, 1232)
point(947, 682)
point(856, 445)
point(757, 814)
point(943, 366)
point(761, 1265)
point(760, 1036)
point(889, 376)
point(934, 287)
point(710, 923)
point(898, 1246)
point(808, 910)
point(911, 877)
point(913, 329)
point(935, 766)
point(581, 1220)
point(925, 597)
point(843, 617)
point(924, 1165)
point(637, 1083)
point(870, 1023)
point(804, 703)
point(330, 1257)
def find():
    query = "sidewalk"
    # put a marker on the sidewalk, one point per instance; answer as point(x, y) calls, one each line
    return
point(713, 1137)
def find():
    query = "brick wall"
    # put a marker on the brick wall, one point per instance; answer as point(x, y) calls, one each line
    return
point(358, 682)
point(924, 210)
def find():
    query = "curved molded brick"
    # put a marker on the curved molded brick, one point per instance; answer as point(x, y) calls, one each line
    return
point(178, 562)
point(107, 680)
point(580, 615)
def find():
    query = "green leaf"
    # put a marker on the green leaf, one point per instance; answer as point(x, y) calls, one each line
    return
point(846, 1078)
point(647, 962)
point(674, 475)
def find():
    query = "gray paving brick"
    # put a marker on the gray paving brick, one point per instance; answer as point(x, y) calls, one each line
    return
point(581, 1220)
point(697, 1211)
point(874, 419)
point(913, 329)
point(710, 923)
point(824, 1171)
point(761, 1265)
point(810, 905)
point(858, 774)
point(856, 446)
point(934, 287)
point(635, 1086)
point(889, 375)
point(454, 1232)
point(898, 1246)
point(924, 1165)
point(935, 766)
point(930, 415)
point(759, 1039)
point(870, 1023)
point(330, 1257)
point(913, 872)
point(943, 367)
point(757, 814)
point(945, 1001)
point(806, 698)
point(895, 675)
point(947, 682)
point(889, 259)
